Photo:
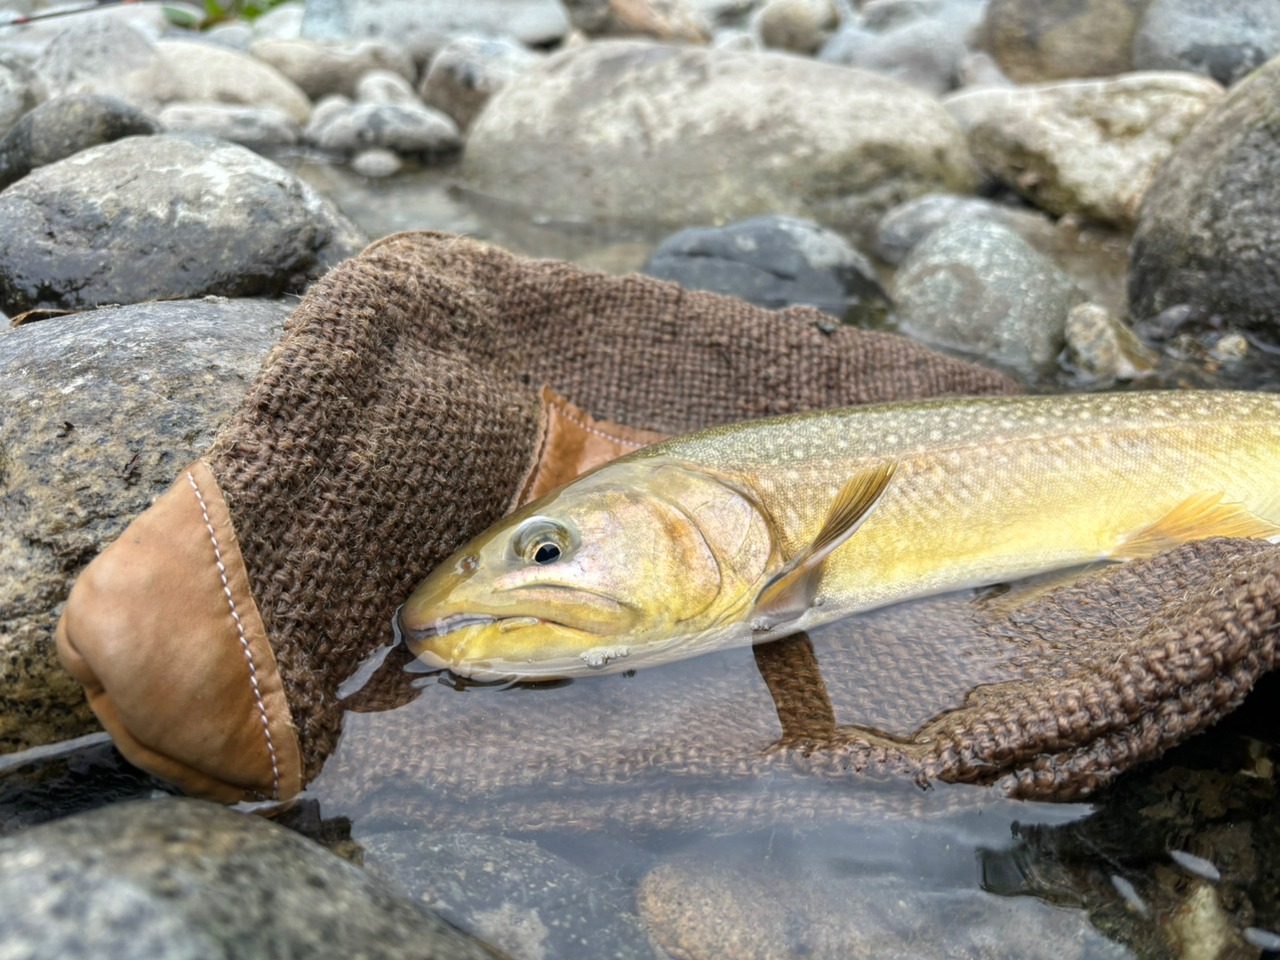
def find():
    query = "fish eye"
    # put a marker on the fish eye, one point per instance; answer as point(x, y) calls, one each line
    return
point(541, 540)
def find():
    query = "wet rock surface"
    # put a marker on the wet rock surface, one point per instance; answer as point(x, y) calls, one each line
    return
point(774, 262)
point(978, 288)
point(184, 879)
point(1036, 40)
point(1211, 215)
point(89, 229)
point(1222, 39)
point(599, 132)
point(1087, 147)
point(100, 411)
point(66, 125)
point(515, 895)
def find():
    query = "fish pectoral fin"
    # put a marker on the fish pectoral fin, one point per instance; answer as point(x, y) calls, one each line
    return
point(1195, 518)
point(790, 591)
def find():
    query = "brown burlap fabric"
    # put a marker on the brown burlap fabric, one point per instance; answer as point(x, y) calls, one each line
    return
point(400, 413)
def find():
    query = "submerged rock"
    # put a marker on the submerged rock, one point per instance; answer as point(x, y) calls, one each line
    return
point(977, 288)
point(174, 878)
point(99, 227)
point(1037, 40)
point(680, 135)
point(514, 894)
point(1210, 221)
point(774, 262)
point(86, 444)
point(1087, 147)
point(64, 126)
point(1222, 39)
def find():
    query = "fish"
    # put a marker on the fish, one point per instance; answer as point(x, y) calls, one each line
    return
point(748, 532)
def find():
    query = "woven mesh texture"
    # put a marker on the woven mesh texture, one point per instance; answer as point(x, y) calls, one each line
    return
point(399, 413)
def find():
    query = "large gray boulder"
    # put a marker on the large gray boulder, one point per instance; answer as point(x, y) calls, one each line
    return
point(685, 135)
point(163, 216)
point(1209, 224)
point(98, 413)
point(181, 879)
point(1085, 147)
point(1223, 39)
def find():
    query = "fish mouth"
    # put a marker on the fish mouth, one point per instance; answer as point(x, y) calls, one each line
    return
point(438, 628)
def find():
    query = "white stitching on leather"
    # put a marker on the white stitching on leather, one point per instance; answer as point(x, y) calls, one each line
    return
point(599, 433)
point(244, 642)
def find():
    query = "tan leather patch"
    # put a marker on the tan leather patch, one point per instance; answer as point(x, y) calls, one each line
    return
point(574, 442)
point(162, 630)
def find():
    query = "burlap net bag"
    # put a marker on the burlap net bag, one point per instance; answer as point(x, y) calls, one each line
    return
point(427, 386)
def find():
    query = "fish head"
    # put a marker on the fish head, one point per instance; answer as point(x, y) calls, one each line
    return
point(593, 577)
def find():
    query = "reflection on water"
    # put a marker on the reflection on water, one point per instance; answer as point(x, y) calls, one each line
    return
point(698, 805)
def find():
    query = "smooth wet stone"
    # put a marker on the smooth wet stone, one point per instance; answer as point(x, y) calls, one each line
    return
point(376, 162)
point(670, 21)
point(98, 413)
point(1038, 40)
point(924, 54)
point(726, 909)
point(774, 262)
point(905, 226)
point(402, 127)
point(977, 288)
point(258, 128)
point(1222, 39)
point(512, 894)
point(98, 227)
point(1210, 220)
point(384, 86)
point(799, 26)
point(176, 878)
point(470, 70)
point(320, 68)
point(1086, 147)
point(424, 26)
point(64, 126)
point(1101, 348)
point(687, 135)
point(210, 74)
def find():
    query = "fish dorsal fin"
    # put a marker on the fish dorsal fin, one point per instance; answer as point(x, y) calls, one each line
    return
point(790, 591)
point(1200, 515)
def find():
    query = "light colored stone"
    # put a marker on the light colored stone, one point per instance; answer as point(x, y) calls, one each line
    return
point(320, 69)
point(800, 26)
point(1038, 40)
point(685, 135)
point(259, 128)
point(671, 21)
point(402, 127)
point(924, 54)
point(1089, 147)
point(1100, 347)
point(376, 163)
point(208, 74)
point(109, 58)
point(16, 97)
point(282, 23)
point(1222, 39)
point(383, 86)
point(470, 70)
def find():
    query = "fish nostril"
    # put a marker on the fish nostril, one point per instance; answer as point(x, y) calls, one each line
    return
point(467, 563)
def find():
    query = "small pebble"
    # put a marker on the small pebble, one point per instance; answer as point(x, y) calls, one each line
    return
point(376, 163)
point(1197, 865)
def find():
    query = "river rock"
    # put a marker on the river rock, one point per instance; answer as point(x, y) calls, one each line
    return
point(258, 128)
point(237, 35)
point(1101, 348)
point(320, 69)
point(1038, 40)
point(424, 26)
point(680, 135)
point(799, 26)
point(175, 878)
point(376, 162)
point(403, 127)
point(1086, 147)
point(383, 86)
point(774, 262)
point(924, 54)
point(1211, 218)
point(977, 288)
point(470, 70)
point(671, 21)
point(16, 94)
point(211, 74)
point(64, 126)
point(87, 445)
point(1223, 39)
point(513, 894)
point(282, 22)
point(699, 908)
point(91, 229)
point(905, 226)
